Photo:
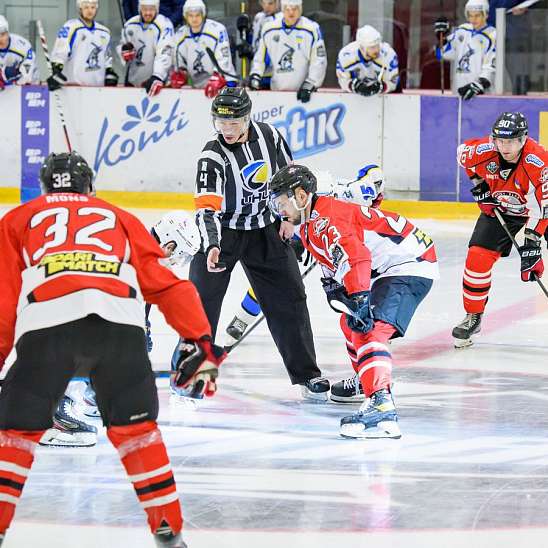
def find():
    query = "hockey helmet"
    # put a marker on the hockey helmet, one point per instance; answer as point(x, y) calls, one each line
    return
point(297, 3)
point(510, 125)
point(476, 5)
point(231, 103)
point(179, 228)
point(149, 4)
point(66, 172)
point(291, 177)
point(194, 5)
point(368, 37)
point(80, 3)
point(4, 25)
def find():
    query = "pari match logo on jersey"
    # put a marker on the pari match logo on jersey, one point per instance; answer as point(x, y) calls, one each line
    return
point(255, 177)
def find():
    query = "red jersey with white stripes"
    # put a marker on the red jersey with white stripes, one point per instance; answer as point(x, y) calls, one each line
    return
point(357, 243)
point(521, 188)
point(65, 256)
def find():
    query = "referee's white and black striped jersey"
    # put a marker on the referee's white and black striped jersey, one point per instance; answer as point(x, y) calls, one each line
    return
point(232, 181)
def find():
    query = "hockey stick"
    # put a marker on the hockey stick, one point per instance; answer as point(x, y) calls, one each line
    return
point(515, 244)
point(218, 68)
point(56, 94)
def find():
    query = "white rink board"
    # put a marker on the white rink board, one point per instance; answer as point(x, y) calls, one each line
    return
point(140, 144)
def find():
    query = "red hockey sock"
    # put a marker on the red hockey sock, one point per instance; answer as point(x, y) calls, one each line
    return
point(347, 332)
point(476, 280)
point(16, 457)
point(145, 459)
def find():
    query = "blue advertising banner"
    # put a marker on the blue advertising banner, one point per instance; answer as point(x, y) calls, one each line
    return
point(34, 138)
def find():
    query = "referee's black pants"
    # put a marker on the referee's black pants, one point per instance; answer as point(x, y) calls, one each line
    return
point(273, 271)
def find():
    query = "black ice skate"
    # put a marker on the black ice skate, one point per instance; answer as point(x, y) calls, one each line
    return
point(68, 430)
point(164, 537)
point(462, 333)
point(348, 391)
point(316, 389)
point(377, 418)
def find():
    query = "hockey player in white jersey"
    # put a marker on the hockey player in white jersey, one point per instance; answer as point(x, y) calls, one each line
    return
point(294, 46)
point(146, 47)
point(367, 190)
point(471, 48)
point(190, 56)
point(17, 59)
point(368, 66)
point(82, 52)
point(269, 13)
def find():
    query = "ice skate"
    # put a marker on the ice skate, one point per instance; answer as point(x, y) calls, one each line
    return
point(462, 333)
point(316, 389)
point(348, 391)
point(236, 328)
point(164, 537)
point(68, 430)
point(377, 418)
point(90, 403)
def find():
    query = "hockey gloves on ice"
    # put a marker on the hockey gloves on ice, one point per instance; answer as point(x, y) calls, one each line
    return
point(198, 367)
point(472, 89)
point(153, 86)
point(361, 87)
point(178, 78)
point(215, 84)
point(532, 265)
point(441, 28)
point(111, 78)
point(305, 92)
point(57, 79)
point(254, 81)
point(128, 52)
point(482, 195)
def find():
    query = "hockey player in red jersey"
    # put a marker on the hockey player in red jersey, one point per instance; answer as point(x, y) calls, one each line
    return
point(377, 267)
point(74, 272)
point(510, 173)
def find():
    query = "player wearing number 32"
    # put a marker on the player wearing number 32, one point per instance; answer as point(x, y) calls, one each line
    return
point(75, 272)
point(377, 267)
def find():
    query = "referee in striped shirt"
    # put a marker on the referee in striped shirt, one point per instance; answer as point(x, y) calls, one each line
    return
point(236, 225)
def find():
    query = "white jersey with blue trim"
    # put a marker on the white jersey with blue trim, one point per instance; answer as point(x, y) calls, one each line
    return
point(153, 43)
point(352, 65)
point(20, 54)
point(259, 21)
point(84, 51)
point(473, 55)
point(296, 54)
point(190, 51)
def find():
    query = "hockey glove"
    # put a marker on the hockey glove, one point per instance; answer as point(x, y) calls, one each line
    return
point(179, 78)
point(153, 86)
point(148, 336)
point(441, 28)
point(128, 52)
point(367, 90)
point(111, 78)
point(335, 293)
point(57, 79)
point(9, 75)
point(254, 81)
point(215, 84)
point(198, 367)
point(532, 265)
point(360, 319)
point(472, 89)
point(305, 92)
point(245, 50)
point(482, 195)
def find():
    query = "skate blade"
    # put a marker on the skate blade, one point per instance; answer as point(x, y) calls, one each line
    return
point(360, 398)
point(384, 429)
point(314, 396)
point(56, 438)
point(183, 401)
point(463, 343)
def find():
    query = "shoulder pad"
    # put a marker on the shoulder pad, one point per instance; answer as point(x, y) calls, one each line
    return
point(132, 20)
point(163, 22)
point(100, 26)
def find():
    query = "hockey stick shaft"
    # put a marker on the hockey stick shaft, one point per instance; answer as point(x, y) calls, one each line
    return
point(56, 94)
point(218, 68)
point(516, 245)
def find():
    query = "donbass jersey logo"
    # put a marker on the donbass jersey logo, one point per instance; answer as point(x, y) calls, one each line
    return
point(255, 175)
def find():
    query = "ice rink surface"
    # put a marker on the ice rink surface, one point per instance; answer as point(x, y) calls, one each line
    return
point(258, 467)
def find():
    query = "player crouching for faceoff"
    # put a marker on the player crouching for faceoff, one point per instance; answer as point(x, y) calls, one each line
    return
point(510, 173)
point(74, 271)
point(351, 243)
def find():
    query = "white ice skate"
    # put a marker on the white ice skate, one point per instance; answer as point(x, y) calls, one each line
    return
point(89, 401)
point(463, 332)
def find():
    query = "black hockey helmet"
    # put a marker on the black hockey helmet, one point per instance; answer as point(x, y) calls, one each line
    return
point(230, 103)
point(510, 125)
point(66, 172)
point(291, 177)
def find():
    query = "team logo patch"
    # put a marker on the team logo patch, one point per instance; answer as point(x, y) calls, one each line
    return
point(485, 147)
point(505, 173)
point(255, 175)
point(492, 167)
point(544, 176)
point(320, 225)
point(314, 215)
point(534, 160)
point(510, 201)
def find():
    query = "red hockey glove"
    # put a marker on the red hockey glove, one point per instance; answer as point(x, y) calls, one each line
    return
point(128, 52)
point(532, 265)
point(198, 367)
point(215, 84)
point(153, 86)
point(482, 195)
point(179, 78)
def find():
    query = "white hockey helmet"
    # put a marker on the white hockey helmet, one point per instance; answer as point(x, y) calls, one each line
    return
point(297, 3)
point(79, 3)
point(363, 190)
point(149, 4)
point(180, 228)
point(477, 5)
point(368, 37)
point(194, 5)
point(4, 25)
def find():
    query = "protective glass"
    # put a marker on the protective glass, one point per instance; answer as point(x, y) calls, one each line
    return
point(230, 127)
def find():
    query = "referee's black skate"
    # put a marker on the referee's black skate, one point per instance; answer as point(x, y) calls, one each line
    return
point(316, 389)
point(462, 333)
point(348, 391)
point(165, 538)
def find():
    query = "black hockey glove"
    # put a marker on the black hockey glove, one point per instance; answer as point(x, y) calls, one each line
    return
point(57, 79)
point(254, 81)
point(197, 367)
point(335, 293)
point(441, 28)
point(367, 90)
point(360, 319)
point(472, 89)
point(305, 92)
point(532, 265)
point(245, 50)
point(482, 195)
point(111, 78)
